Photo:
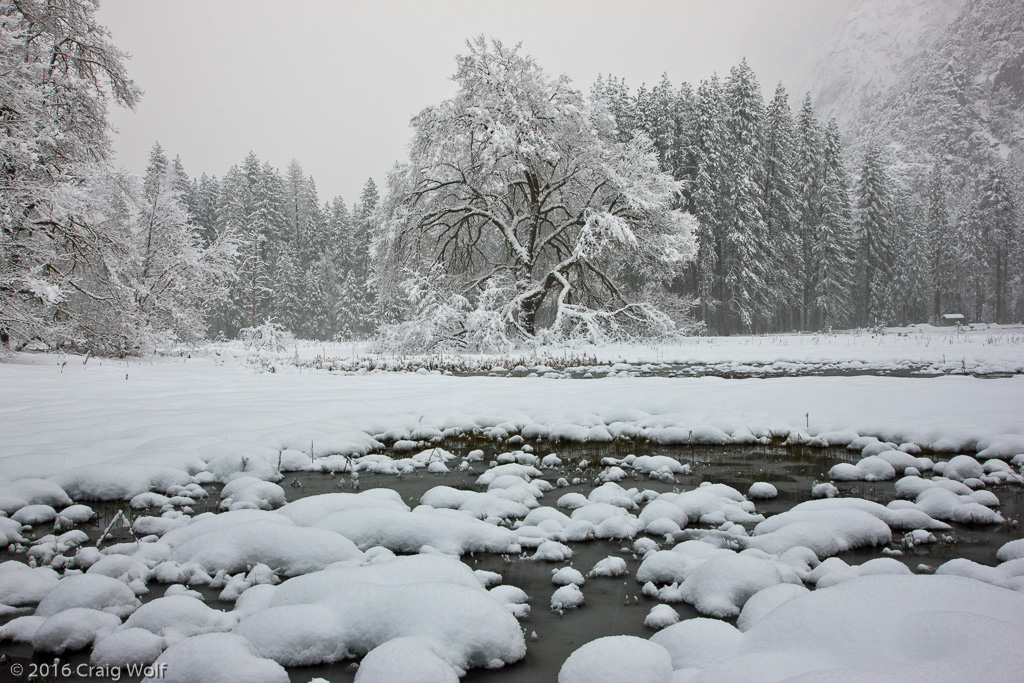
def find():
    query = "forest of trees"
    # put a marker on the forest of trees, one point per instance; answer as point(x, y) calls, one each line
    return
point(797, 233)
point(526, 211)
point(297, 262)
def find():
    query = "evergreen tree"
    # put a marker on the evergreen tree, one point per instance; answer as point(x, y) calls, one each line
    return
point(809, 154)
point(659, 117)
point(364, 298)
point(913, 286)
point(707, 197)
point(943, 265)
point(781, 208)
point(614, 95)
point(746, 256)
point(288, 292)
point(206, 191)
point(999, 241)
point(876, 234)
point(832, 252)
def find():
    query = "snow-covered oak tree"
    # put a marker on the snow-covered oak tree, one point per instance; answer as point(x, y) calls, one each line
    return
point(520, 216)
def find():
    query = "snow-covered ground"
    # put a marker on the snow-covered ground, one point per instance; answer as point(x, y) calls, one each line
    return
point(322, 578)
point(919, 349)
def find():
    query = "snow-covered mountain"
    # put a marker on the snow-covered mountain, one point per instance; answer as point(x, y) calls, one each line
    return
point(931, 78)
point(869, 50)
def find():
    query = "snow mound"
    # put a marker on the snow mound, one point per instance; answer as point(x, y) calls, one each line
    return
point(672, 566)
point(1006, 575)
point(286, 548)
point(307, 511)
point(10, 532)
point(25, 586)
point(93, 591)
point(942, 503)
point(824, 490)
point(698, 643)
point(567, 597)
point(660, 617)
point(73, 629)
point(894, 517)
point(871, 468)
point(552, 551)
point(177, 617)
point(122, 481)
point(246, 492)
point(609, 566)
point(35, 514)
point(448, 531)
point(467, 625)
point(649, 464)
point(15, 495)
point(480, 505)
point(567, 576)
point(215, 658)
point(906, 627)
point(394, 571)
point(524, 472)
point(75, 514)
point(834, 570)
point(657, 512)
point(405, 660)
point(762, 490)
point(615, 659)
point(902, 461)
point(305, 634)
point(713, 505)
point(208, 522)
point(121, 567)
point(1013, 550)
point(963, 467)
point(21, 629)
point(826, 531)
point(720, 586)
point(1003, 446)
point(764, 601)
point(127, 646)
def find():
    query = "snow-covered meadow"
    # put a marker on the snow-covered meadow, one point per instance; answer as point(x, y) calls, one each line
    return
point(918, 350)
point(259, 514)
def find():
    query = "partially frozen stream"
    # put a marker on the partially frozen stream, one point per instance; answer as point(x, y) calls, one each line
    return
point(613, 605)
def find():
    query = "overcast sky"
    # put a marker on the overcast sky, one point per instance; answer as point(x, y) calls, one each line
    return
point(333, 83)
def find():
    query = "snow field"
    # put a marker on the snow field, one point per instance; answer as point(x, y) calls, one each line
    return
point(338, 575)
point(919, 348)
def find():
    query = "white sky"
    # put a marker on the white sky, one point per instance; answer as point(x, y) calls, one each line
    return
point(333, 83)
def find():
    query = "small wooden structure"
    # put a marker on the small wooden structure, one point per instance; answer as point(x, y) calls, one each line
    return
point(952, 319)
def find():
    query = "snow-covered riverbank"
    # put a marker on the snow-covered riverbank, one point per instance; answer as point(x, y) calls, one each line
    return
point(172, 412)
